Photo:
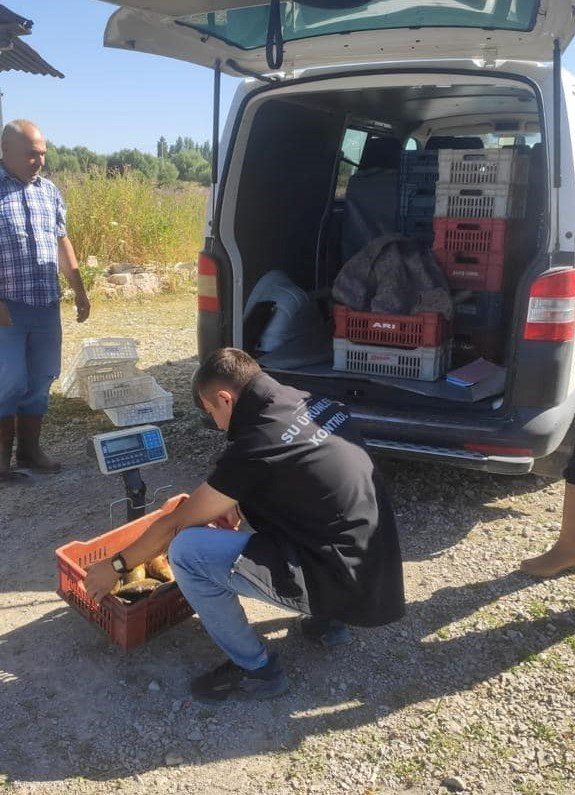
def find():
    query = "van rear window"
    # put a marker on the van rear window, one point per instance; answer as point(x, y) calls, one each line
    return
point(246, 27)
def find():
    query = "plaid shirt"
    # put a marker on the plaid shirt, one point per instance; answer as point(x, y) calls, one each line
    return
point(32, 218)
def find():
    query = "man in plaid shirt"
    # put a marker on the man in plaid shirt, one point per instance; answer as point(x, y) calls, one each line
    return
point(33, 246)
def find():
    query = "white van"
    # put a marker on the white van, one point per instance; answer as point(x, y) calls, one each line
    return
point(329, 85)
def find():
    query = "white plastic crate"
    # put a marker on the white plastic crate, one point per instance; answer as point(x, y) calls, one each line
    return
point(75, 382)
point(109, 394)
point(487, 201)
point(483, 167)
point(155, 410)
point(105, 350)
point(423, 364)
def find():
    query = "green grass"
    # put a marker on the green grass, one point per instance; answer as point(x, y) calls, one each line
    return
point(128, 219)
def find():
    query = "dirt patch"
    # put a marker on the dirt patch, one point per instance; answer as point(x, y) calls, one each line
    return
point(473, 689)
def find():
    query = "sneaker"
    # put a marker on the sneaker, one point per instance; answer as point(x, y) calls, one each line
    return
point(230, 679)
point(327, 631)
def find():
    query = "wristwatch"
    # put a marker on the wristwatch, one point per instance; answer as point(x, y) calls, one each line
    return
point(119, 564)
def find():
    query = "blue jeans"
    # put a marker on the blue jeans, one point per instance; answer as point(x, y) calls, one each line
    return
point(30, 351)
point(202, 560)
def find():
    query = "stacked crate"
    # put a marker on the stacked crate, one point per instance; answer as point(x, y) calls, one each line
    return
point(380, 344)
point(104, 374)
point(418, 178)
point(480, 197)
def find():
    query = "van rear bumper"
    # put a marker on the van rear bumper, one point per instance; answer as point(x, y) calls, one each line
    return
point(467, 459)
point(515, 443)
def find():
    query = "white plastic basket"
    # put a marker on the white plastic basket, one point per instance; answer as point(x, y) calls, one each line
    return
point(105, 350)
point(483, 167)
point(423, 364)
point(75, 382)
point(155, 410)
point(487, 201)
point(109, 394)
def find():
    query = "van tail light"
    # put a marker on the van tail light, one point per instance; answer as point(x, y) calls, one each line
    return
point(551, 313)
point(208, 299)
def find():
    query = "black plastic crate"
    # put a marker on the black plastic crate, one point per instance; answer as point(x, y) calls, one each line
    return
point(480, 310)
point(420, 229)
point(419, 169)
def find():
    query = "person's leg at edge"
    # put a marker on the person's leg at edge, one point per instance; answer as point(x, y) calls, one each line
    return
point(43, 356)
point(13, 382)
point(202, 561)
point(561, 556)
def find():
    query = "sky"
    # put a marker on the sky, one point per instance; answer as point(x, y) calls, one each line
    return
point(110, 99)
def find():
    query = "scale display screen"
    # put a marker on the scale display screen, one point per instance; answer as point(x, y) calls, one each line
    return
point(122, 444)
point(131, 448)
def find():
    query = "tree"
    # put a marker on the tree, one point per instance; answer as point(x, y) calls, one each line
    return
point(146, 164)
point(191, 166)
point(69, 162)
point(167, 173)
point(162, 148)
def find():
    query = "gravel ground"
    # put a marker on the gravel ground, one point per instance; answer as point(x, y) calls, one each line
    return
point(473, 691)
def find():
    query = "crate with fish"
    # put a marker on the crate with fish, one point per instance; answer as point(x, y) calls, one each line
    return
point(139, 609)
point(423, 364)
point(424, 330)
point(483, 167)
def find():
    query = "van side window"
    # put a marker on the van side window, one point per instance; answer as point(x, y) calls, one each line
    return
point(411, 145)
point(351, 149)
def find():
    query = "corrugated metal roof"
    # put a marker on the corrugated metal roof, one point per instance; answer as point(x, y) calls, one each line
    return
point(14, 54)
point(23, 58)
point(8, 17)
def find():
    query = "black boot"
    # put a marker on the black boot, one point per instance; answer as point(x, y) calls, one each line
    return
point(6, 444)
point(29, 454)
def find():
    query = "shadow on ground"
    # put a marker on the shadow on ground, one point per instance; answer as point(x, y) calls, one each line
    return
point(84, 707)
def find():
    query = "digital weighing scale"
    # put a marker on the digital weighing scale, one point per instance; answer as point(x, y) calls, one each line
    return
point(124, 452)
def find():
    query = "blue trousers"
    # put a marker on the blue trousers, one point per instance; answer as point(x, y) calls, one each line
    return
point(202, 560)
point(30, 356)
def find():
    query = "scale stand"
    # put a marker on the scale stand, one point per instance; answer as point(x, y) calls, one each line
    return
point(123, 453)
point(135, 494)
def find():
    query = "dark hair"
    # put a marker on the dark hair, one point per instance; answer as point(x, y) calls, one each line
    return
point(225, 367)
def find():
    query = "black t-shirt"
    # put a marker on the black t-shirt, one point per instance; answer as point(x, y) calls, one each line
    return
point(325, 540)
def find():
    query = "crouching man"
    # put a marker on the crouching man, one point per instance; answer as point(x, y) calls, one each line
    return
point(325, 542)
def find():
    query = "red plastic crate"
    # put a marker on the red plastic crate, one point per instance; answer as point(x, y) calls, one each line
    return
point(465, 271)
point(127, 625)
point(472, 235)
point(426, 330)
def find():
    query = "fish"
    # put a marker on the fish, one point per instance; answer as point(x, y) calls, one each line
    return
point(159, 569)
point(132, 591)
point(136, 574)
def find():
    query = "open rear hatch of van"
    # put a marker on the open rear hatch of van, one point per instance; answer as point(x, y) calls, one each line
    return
point(257, 35)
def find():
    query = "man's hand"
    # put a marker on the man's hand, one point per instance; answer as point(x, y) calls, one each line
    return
point(100, 580)
point(82, 307)
point(230, 520)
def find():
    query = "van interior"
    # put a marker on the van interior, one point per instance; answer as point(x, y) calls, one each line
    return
point(321, 171)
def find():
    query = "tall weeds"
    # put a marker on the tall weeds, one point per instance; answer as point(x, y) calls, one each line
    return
point(125, 218)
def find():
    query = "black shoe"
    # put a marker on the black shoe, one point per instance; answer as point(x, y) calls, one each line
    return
point(326, 631)
point(229, 679)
